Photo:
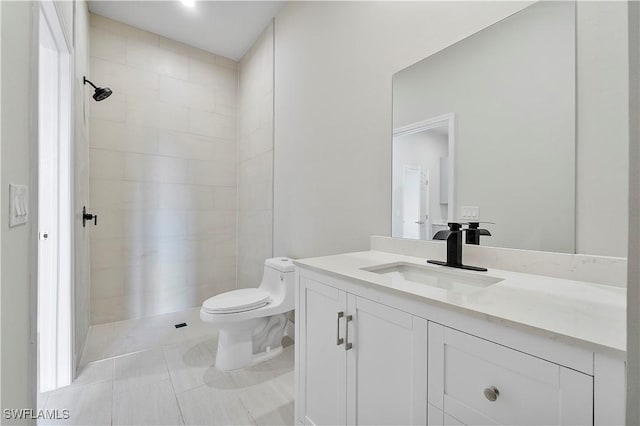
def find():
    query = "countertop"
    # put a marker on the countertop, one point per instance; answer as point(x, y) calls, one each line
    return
point(579, 311)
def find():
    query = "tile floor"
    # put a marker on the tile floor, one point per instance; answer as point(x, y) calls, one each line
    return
point(147, 372)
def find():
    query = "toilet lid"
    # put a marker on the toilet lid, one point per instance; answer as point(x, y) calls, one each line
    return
point(244, 299)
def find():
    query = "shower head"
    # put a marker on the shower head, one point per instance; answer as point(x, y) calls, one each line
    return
point(101, 93)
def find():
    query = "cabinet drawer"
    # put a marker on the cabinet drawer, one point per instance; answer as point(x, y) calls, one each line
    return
point(486, 383)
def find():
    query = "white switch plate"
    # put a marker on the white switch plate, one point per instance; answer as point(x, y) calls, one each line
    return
point(471, 213)
point(18, 205)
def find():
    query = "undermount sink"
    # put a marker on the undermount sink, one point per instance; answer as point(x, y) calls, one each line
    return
point(454, 281)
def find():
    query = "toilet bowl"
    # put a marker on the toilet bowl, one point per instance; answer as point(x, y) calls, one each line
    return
point(251, 321)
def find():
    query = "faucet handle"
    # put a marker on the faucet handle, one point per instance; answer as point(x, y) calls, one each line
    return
point(455, 226)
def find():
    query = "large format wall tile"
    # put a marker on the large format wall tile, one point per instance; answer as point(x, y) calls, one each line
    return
point(255, 160)
point(163, 174)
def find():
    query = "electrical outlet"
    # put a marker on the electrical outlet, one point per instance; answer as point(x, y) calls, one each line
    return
point(471, 213)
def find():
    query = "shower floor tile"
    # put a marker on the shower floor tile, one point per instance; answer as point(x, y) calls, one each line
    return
point(125, 337)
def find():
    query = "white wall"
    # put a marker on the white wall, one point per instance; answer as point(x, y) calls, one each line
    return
point(633, 274)
point(17, 371)
point(1, 182)
point(602, 128)
point(255, 160)
point(163, 174)
point(512, 89)
point(81, 148)
point(334, 62)
point(332, 180)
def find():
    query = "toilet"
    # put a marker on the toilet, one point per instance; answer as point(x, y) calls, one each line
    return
point(252, 321)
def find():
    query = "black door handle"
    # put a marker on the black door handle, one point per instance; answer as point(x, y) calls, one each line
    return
point(88, 216)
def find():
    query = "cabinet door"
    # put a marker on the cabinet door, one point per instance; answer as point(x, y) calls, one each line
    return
point(386, 365)
point(474, 381)
point(322, 369)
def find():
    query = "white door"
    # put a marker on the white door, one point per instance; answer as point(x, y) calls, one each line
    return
point(386, 365)
point(413, 204)
point(48, 206)
point(322, 381)
point(55, 283)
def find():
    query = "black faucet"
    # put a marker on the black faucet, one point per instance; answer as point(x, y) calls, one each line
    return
point(454, 247)
point(473, 233)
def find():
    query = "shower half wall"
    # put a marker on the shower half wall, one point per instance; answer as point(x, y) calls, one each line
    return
point(163, 174)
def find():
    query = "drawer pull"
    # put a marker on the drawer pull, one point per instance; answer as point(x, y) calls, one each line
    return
point(339, 340)
point(491, 393)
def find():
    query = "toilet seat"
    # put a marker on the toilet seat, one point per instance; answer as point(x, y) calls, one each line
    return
point(245, 299)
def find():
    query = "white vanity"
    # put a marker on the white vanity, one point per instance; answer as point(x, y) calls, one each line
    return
point(383, 338)
point(485, 129)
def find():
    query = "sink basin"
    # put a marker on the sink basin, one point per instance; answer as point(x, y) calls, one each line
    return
point(454, 281)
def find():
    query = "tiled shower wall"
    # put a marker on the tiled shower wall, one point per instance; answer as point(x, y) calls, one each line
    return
point(163, 176)
point(255, 160)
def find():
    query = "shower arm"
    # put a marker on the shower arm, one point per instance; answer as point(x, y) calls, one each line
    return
point(87, 81)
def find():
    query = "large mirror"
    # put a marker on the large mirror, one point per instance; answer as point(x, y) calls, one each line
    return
point(484, 130)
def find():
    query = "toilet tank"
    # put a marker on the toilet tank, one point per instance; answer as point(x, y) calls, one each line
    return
point(278, 277)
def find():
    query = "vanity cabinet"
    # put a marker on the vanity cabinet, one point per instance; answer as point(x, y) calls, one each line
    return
point(322, 364)
point(473, 381)
point(359, 362)
point(366, 356)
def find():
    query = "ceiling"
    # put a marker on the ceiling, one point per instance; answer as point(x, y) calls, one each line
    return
point(226, 28)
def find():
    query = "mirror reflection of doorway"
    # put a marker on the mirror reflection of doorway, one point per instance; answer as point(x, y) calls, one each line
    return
point(422, 195)
point(415, 201)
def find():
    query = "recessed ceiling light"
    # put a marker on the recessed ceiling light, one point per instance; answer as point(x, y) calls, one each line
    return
point(188, 3)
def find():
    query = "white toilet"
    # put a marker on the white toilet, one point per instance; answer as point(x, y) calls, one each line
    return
point(251, 321)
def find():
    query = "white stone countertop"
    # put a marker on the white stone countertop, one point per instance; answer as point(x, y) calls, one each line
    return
point(579, 311)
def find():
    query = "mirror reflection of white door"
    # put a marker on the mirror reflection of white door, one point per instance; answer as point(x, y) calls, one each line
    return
point(414, 203)
point(429, 146)
point(424, 204)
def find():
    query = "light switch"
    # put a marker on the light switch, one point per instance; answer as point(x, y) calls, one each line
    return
point(18, 205)
point(471, 213)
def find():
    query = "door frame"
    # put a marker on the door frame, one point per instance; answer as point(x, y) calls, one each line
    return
point(65, 362)
point(449, 120)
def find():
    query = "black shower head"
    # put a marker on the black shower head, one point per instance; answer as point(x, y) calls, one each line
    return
point(101, 93)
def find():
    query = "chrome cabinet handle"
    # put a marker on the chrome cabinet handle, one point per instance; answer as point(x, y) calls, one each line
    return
point(339, 340)
point(491, 393)
point(420, 222)
point(348, 345)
